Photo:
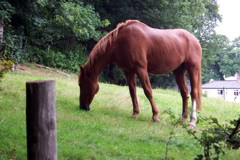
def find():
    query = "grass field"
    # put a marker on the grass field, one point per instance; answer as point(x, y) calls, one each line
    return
point(107, 131)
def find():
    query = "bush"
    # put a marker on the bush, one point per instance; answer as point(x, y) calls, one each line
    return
point(215, 138)
point(5, 63)
point(65, 60)
point(5, 66)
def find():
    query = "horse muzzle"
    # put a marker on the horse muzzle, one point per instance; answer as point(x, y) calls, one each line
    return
point(84, 107)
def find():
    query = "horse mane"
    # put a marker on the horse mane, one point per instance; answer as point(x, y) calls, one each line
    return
point(111, 36)
point(100, 48)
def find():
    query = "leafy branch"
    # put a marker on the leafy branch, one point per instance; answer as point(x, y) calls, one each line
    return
point(5, 63)
point(174, 123)
point(215, 139)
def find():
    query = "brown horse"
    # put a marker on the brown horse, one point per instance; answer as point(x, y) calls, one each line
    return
point(138, 50)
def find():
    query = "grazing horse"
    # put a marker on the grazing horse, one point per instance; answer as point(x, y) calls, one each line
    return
point(138, 50)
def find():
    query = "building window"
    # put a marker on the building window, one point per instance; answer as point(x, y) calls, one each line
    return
point(220, 92)
point(236, 93)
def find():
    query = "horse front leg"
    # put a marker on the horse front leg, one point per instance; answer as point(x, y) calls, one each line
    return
point(131, 79)
point(144, 79)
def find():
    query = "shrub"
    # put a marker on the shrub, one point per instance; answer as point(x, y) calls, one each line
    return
point(65, 60)
point(215, 138)
point(5, 63)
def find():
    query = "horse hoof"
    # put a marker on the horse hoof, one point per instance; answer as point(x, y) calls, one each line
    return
point(84, 107)
point(134, 117)
point(191, 126)
point(155, 120)
point(182, 121)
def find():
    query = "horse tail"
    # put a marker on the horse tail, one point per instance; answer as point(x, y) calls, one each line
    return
point(199, 94)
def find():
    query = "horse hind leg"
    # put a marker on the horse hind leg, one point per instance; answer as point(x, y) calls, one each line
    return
point(195, 79)
point(144, 79)
point(131, 79)
point(181, 82)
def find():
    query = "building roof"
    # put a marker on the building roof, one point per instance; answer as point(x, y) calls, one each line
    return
point(222, 84)
point(235, 77)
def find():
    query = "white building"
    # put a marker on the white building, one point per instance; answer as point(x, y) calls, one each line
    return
point(228, 90)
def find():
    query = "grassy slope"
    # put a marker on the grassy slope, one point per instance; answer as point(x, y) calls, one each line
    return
point(107, 131)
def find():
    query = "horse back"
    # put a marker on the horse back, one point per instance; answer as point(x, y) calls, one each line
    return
point(160, 51)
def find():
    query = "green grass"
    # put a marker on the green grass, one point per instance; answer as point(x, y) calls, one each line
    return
point(107, 131)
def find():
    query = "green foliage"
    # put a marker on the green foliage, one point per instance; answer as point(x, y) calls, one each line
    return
point(60, 25)
point(205, 17)
point(113, 74)
point(158, 13)
point(5, 66)
point(6, 10)
point(48, 25)
point(213, 52)
point(231, 60)
point(199, 17)
point(5, 63)
point(217, 138)
point(15, 51)
point(163, 81)
point(80, 20)
point(70, 60)
point(12, 37)
point(172, 134)
point(221, 57)
point(61, 20)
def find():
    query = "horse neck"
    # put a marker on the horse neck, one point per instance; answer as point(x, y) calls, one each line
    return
point(96, 65)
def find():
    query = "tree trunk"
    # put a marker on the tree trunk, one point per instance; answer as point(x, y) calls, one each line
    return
point(1, 31)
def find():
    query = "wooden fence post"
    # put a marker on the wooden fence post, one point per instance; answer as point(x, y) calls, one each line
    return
point(41, 120)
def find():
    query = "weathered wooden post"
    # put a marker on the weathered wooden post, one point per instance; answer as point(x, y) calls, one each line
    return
point(41, 120)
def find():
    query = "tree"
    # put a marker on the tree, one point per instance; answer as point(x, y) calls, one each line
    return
point(5, 63)
point(48, 24)
point(197, 16)
point(223, 57)
point(80, 21)
point(230, 62)
point(215, 47)
point(61, 26)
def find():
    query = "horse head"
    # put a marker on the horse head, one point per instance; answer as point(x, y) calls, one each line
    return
point(88, 88)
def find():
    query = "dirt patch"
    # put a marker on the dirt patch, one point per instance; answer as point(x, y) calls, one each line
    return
point(43, 71)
